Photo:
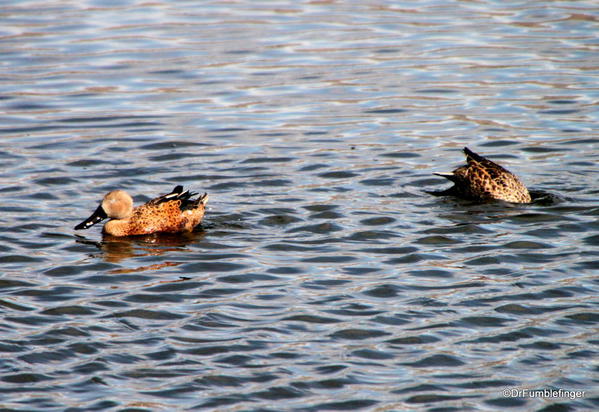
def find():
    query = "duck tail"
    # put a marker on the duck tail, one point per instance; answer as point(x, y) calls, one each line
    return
point(189, 204)
point(471, 155)
point(202, 199)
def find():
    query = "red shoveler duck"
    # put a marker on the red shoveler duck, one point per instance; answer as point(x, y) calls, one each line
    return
point(175, 212)
point(483, 180)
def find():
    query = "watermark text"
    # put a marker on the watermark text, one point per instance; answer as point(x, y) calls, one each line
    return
point(542, 393)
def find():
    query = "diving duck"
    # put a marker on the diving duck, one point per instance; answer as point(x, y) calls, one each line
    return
point(483, 180)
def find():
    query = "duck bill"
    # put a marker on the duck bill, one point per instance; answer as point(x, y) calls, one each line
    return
point(96, 217)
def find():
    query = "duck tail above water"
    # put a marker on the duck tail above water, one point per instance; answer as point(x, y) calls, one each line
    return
point(474, 156)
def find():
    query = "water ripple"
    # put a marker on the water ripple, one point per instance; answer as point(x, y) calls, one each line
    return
point(323, 276)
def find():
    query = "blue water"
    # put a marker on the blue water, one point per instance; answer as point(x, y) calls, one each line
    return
point(323, 277)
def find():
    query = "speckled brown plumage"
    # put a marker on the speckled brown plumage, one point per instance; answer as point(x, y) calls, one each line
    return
point(483, 180)
point(171, 213)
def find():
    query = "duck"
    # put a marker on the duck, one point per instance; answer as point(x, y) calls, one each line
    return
point(482, 180)
point(175, 212)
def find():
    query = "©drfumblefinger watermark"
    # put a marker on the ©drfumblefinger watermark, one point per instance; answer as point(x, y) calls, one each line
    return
point(542, 393)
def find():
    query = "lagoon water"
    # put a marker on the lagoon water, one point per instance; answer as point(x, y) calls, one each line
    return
point(323, 276)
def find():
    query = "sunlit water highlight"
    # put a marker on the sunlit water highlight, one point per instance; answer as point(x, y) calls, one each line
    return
point(323, 276)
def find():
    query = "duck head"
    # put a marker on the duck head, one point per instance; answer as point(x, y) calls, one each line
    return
point(115, 205)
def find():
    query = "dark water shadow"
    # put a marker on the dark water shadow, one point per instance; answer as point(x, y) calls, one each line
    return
point(114, 249)
point(539, 198)
point(544, 198)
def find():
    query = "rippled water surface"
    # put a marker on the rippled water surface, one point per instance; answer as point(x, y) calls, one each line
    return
point(323, 277)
